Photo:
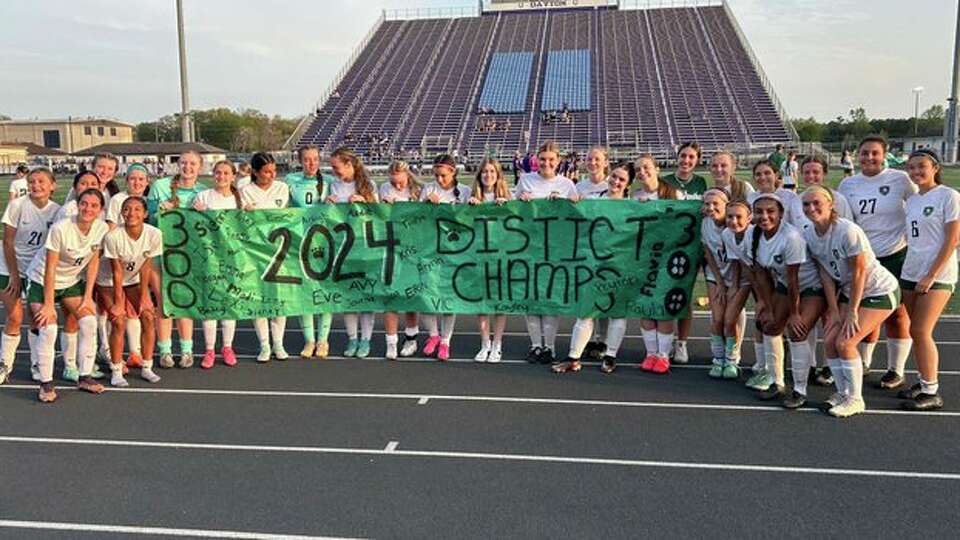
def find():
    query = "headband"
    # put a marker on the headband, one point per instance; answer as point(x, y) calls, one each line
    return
point(927, 153)
point(137, 167)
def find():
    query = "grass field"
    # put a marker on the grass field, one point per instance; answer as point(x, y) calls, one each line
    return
point(951, 177)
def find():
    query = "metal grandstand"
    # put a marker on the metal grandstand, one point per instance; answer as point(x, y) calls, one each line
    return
point(639, 76)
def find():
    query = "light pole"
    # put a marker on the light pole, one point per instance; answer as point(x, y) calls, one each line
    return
point(186, 133)
point(916, 110)
point(950, 125)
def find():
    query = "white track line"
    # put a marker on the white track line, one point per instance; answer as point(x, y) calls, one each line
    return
point(159, 531)
point(422, 399)
point(920, 475)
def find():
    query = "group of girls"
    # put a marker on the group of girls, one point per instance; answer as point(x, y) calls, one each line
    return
point(837, 258)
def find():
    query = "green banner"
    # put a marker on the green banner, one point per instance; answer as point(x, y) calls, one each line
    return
point(594, 258)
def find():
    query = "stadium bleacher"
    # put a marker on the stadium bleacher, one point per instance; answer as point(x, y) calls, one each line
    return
point(637, 80)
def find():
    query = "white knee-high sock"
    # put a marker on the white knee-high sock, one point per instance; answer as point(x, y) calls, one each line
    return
point(351, 321)
point(649, 340)
point(741, 324)
point(447, 323)
point(534, 330)
point(46, 340)
point(262, 328)
point(866, 353)
point(853, 372)
point(812, 342)
point(68, 346)
point(32, 344)
point(800, 362)
point(664, 344)
point(550, 324)
point(431, 323)
point(134, 329)
point(839, 379)
point(898, 350)
point(8, 350)
point(278, 326)
point(366, 326)
point(581, 334)
point(759, 354)
point(103, 331)
point(229, 329)
point(616, 329)
point(210, 334)
point(773, 350)
point(87, 344)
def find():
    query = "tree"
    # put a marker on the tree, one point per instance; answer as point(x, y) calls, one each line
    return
point(935, 112)
point(809, 129)
point(5, 117)
point(244, 130)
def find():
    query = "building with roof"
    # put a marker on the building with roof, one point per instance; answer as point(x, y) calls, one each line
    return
point(70, 135)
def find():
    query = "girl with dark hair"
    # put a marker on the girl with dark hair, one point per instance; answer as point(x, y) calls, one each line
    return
point(402, 186)
point(929, 271)
point(879, 196)
point(352, 185)
point(65, 271)
point(265, 193)
point(307, 188)
point(860, 294)
point(223, 196)
point(444, 190)
point(123, 284)
point(26, 221)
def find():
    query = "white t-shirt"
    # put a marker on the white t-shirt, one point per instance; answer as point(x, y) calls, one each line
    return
point(389, 193)
point(32, 224)
point(113, 209)
point(588, 190)
point(19, 187)
point(789, 171)
point(879, 207)
point(275, 196)
point(446, 195)
point(790, 204)
point(540, 188)
point(784, 249)
point(131, 254)
point(211, 199)
point(711, 236)
point(927, 216)
point(833, 250)
point(75, 251)
point(342, 191)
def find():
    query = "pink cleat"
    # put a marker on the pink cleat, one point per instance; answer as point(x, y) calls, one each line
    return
point(444, 352)
point(208, 358)
point(229, 358)
point(431, 345)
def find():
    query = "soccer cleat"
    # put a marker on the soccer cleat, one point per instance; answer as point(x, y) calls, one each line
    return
point(824, 377)
point(835, 399)
point(408, 347)
point(148, 375)
point(391, 351)
point(546, 356)
point(134, 360)
point(570, 364)
point(186, 361)
point(71, 374)
point(910, 393)
point(323, 350)
point(716, 370)
point(264, 355)
point(431, 347)
point(308, 349)
point(848, 407)
point(47, 395)
point(229, 357)
point(351, 349)
point(595, 350)
point(209, 357)
point(4, 374)
point(661, 365)
point(363, 348)
point(482, 355)
point(794, 401)
point(166, 360)
point(117, 380)
point(680, 354)
point(648, 362)
point(923, 402)
point(443, 352)
point(124, 369)
point(760, 382)
point(96, 373)
point(88, 384)
point(731, 371)
point(281, 354)
point(774, 391)
point(533, 355)
point(608, 363)
point(890, 380)
point(495, 356)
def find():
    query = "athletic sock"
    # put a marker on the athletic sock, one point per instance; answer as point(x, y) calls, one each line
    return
point(103, 333)
point(716, 346)
point(411, 331)
point(326, 321)
point(579, 336)
point(278, 326)
point(186, 346)
point(650, 341)
point(8, 349)
point(430, 321)
point(759, 354)
point(210, 334)
point(812, 337)
point(533, 329)
point(550, 325)
point(616, 329)
point(898, 350)
point(229, 330)
point(366, 325)
point(68, 344)
point(839, 379)
point(262, 329)
point(165, 346)
point(391, 339)
point(664, 344)
point(46, 339)
point(447, 324)
point(853, 370)
point(134, 330)
point(32, 344)
point(742, 323)
point(800, 362)
point(306, 324)
point(866, 353)
point(773, 350)
point(731, 350)
point(929, 388)
point(86, 344)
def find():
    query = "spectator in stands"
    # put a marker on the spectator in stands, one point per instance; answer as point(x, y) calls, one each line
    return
point(777, 157)
point(517, 167)
point(789, 171)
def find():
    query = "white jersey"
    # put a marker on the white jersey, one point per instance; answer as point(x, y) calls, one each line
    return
point(19, 187)
point(540, 188)
point(211, 199)
point(75, 249)
point(787, 248)
point(342, 191)
point(789, 171)
point(113, 209)
point(257, 198)
point(927, 216)
point(644, 196)
point(32, 224)
point(738, 250)
point(833, 250)
point(389, 193)
point(840, 204)
point(446, 195)
point(243, 182)
point(711, 236)
point(879, 207)
point(790, 203)
point(131, 254)
point(587, 189)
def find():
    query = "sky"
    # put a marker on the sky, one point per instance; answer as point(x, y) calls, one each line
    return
point(118, 58)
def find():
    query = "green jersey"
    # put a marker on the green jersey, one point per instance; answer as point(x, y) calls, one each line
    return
point(694, 188)
point(777, 159)
point(160, 192)
point(303, 189)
